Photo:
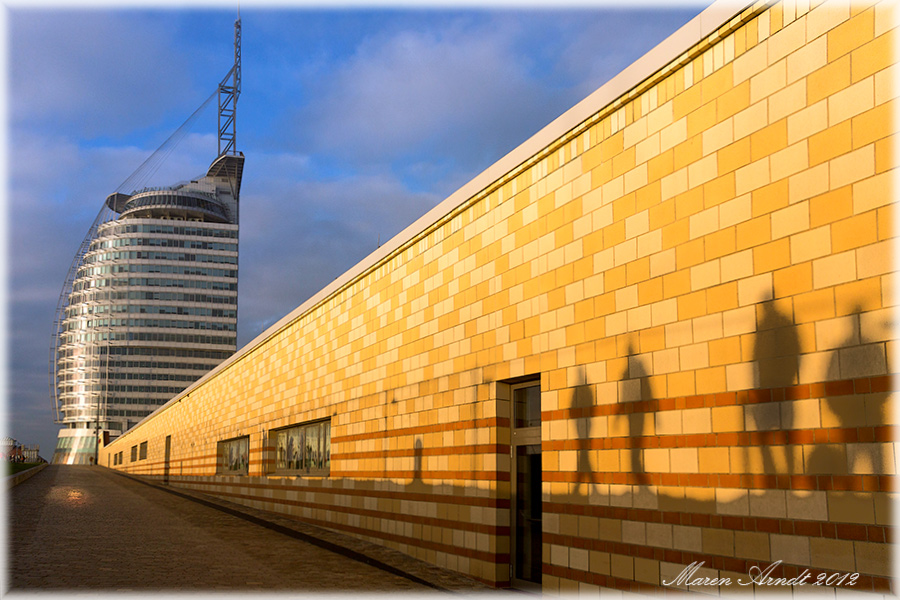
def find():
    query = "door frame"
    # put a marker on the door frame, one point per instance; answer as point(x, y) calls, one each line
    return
point(521, 436)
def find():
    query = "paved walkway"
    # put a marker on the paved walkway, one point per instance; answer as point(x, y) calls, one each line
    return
point(80, 528)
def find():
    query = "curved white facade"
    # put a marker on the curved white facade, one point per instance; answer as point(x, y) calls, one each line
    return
point(153, 306)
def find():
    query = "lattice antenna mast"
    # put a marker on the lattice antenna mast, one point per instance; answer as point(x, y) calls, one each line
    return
point(229, 91)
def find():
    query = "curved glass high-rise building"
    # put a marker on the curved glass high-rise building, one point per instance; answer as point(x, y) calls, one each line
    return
point(152, 305)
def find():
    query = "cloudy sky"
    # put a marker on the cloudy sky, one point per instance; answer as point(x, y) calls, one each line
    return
point(354, 122)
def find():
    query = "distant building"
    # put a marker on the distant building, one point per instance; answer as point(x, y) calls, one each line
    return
point(8, 448)
point(153, 303)
point(153, 307)
point(12, 451)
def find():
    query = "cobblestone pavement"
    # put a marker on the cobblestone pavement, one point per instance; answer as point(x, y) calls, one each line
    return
point(80, 528)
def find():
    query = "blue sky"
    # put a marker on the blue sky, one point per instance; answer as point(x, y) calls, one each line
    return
point(354, 122)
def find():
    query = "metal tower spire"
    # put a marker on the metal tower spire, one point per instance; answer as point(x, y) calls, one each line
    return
point(229, 91)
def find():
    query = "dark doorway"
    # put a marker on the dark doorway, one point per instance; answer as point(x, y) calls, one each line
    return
point(168, 456)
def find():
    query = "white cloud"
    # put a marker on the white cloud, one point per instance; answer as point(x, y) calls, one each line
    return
point(446, 88)
point(457, 93)
point(96, 72)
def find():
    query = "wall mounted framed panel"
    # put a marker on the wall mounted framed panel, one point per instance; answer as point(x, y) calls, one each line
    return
point(303, 449)
point(233, 456)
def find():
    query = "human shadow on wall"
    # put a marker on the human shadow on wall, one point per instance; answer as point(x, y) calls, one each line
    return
point(583, 402)
point(626, 431)
point(634, 386)
point(776, 352)
point(417, 485)
point(846, 413)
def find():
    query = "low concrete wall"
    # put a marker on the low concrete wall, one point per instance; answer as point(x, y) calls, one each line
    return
point(14, 480)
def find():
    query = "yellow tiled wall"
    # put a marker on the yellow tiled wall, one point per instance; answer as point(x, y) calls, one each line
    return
point(700, 275)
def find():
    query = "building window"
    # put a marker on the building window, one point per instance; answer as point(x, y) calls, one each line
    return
point(121, 458)
point(143, 455)
point(234, 456)
point(303, 449)
point(133, 453)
